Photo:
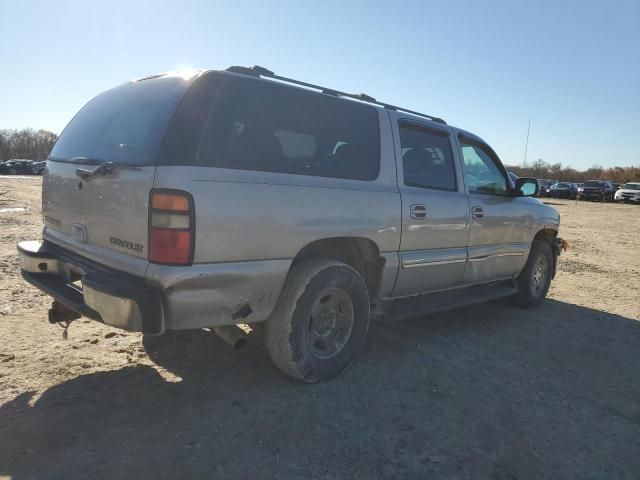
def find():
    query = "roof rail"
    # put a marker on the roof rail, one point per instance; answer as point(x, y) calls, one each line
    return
point(257, 71)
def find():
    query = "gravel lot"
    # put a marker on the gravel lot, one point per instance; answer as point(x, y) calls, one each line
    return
point(484, 392)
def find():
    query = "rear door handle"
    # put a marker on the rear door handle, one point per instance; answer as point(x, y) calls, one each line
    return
point(477, 213)
point(418, 211)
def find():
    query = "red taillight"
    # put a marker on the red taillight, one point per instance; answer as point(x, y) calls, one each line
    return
point(170, 246)
point(171, 227)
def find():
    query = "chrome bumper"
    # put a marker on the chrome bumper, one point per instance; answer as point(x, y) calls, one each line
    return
point(92, 290)
point(168, 298)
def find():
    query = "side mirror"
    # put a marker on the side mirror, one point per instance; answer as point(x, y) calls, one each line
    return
point(527, 187)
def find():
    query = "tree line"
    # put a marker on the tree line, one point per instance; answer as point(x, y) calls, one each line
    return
point(27, 143)
point(555, 171)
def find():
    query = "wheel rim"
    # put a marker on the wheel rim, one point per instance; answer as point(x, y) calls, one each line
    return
point(330, 322)
point(539, 275)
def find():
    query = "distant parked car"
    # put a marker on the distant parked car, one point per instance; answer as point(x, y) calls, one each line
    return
point(544, 186)
point(37, 168)
point(563, 190)
point(16, 167)
point(629, 192)
point(616, 186)
point(596, 190)
point(6, 169)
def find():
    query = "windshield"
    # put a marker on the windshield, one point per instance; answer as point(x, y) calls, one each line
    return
point(593, 184)
point(631, 186)
point(124, 125)
point(561, 185)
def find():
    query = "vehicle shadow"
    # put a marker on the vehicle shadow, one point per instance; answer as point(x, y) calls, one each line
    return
point(492, 392)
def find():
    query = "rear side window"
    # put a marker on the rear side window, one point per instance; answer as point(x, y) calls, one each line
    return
point(257, 125)
point(123, 125)
point(427, 159)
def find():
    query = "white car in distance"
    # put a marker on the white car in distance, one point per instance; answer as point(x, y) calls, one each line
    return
point(629, 192)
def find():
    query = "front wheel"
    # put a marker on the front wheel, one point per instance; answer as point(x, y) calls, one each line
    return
point(320, 321)
point(535, 279)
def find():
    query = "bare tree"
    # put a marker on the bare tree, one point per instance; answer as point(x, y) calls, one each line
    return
point(26, 143)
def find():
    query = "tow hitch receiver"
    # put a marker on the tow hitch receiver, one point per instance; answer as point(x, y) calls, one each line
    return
point(61, 313)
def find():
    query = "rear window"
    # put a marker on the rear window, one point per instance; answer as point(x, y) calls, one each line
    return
point(123, 125)
point(263, 126)
point(427, 160)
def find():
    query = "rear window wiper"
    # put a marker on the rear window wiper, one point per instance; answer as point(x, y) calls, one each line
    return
point(105, 168)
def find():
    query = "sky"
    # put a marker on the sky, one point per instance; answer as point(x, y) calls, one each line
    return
point(572, 67)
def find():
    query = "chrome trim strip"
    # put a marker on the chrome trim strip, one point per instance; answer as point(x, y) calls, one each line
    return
point(438, 256)
point(485, 257)
point(425, 263)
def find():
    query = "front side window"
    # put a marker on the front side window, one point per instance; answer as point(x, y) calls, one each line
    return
point(262, 126)
point(481, 173)
point(427, 160)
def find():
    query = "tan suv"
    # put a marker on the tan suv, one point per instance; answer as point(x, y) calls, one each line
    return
point(217, 198)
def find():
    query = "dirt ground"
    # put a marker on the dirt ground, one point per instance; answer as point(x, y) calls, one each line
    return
point(485, 392)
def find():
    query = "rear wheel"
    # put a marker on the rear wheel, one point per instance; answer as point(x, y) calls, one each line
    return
point(535, 279)
point(320, 321)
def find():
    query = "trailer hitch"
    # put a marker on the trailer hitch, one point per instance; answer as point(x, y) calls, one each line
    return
point(62, 315)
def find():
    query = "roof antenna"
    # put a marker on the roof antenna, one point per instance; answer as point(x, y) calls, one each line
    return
point(526, 146)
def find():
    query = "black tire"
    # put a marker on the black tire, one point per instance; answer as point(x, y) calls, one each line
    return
point(293, 335)
point(532, 289)
point(13, 171)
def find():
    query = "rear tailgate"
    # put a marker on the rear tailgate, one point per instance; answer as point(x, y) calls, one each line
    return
point(103, 213)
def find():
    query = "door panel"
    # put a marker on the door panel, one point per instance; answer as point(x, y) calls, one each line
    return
point(490, 262)
point(499, 232)
point(435, 212)
point(433, 249)
point(427, 270)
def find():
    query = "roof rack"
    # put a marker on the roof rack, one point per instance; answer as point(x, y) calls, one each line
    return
point(257, 71)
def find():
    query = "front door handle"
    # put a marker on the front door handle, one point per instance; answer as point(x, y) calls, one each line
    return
point(418, 211)
point(477, 213)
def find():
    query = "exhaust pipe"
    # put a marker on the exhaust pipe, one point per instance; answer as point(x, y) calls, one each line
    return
point(232, 334)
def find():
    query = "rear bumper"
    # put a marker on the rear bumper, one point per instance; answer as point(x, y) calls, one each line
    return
point(108, 296)
point(168, 298)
